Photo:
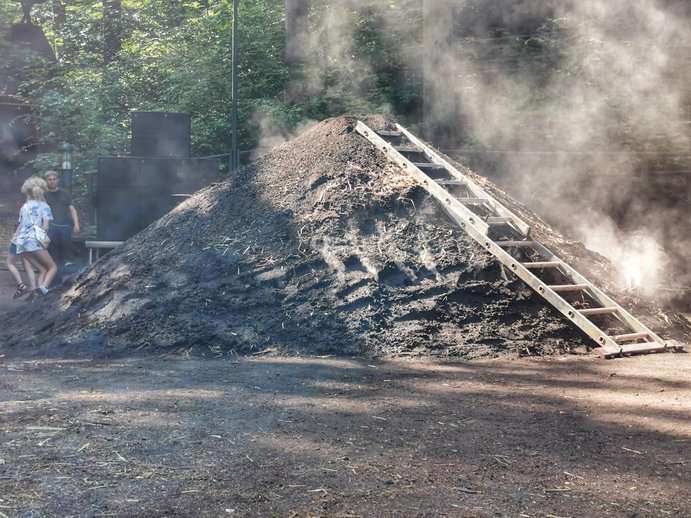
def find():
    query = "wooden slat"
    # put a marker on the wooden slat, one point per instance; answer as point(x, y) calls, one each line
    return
point(543, 264)
point(518, 244)
point(428, 165)
point(497, 220)
point(472, 201)
point(599, 311)
point(450, 182)
point(408, 149)
point(559, 288)
point(102, 244)
point(630, 336)
point(648, 347)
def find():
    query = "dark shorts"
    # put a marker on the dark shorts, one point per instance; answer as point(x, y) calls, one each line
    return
point(13, 249)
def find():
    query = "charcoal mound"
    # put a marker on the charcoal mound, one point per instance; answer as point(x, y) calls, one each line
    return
point(321, 246)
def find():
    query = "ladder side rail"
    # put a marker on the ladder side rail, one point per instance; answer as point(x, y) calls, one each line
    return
point(461, 214)
point(478, 191)
point(600, 296)
point(543, 289)
point(476, 229)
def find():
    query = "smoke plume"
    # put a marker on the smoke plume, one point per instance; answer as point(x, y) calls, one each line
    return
point(568, 109)
point(570, 102)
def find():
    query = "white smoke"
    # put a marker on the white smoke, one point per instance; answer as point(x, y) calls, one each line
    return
point(568, 96)
point(614, 85)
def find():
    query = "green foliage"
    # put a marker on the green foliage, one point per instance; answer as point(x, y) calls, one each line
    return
point(118, 56)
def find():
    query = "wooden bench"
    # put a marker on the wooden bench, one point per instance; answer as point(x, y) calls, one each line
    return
point(98, 246)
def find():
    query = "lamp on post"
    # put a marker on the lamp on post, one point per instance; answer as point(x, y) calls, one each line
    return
point(66, 150)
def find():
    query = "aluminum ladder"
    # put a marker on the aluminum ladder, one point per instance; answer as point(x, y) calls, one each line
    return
point(507, 237)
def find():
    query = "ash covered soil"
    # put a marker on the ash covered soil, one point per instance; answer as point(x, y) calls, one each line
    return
point(320, 247)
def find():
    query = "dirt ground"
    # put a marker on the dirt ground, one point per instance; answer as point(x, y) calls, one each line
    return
point(559, 437)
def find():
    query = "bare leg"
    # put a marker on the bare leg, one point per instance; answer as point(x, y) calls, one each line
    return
point(12, 267)
point(42, 270)
point(29, 269)
point(46, 261)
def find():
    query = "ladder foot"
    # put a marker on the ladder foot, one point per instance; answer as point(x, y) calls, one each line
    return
point(600, 352)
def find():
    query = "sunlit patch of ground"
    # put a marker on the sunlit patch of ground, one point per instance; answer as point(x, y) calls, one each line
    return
point(339, 437)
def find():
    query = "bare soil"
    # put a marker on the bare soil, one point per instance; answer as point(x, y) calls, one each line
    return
point(567, 437)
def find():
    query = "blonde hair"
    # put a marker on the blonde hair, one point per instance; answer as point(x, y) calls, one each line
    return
point(34, 188)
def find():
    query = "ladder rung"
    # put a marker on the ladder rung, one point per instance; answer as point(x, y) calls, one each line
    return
point(428, 165)
point(630, 336)
point(450, 182)
point(497, 220)
point(544, 264)
point(569, 287)
point(385, 133)
point(599, 311)
point(648, 347)
point(409, 149)
point(507, 244)
point(473, 201)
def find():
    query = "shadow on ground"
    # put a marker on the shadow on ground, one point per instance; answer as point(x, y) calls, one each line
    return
point(326, 437)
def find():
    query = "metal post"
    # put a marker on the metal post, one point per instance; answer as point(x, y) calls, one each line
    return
point(235, 152)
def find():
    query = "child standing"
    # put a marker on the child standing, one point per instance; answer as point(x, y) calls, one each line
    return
point(35, 213)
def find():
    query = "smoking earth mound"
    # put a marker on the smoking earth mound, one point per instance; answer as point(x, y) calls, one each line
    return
point(321, 247)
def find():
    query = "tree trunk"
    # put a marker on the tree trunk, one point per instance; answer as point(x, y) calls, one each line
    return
point(112, 29)
point(59, 13)
point(296, 28)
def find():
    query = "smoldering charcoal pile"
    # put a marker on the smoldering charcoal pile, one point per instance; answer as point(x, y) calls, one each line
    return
point(319, 247)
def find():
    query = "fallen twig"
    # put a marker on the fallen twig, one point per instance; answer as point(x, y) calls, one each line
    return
point(123, 459)
point(632, 451)
point(558, 490)
point(468, 490)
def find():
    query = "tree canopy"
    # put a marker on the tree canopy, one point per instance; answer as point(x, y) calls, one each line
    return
point(116, 56)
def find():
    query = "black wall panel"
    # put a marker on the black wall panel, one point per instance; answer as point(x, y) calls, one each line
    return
point(193, 174)
point(117, 172)
point(122, 213)
point(161, 134)
point(133, 192)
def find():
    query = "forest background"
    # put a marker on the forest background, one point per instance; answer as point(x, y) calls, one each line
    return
point(484, 75)
point(118, 56)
